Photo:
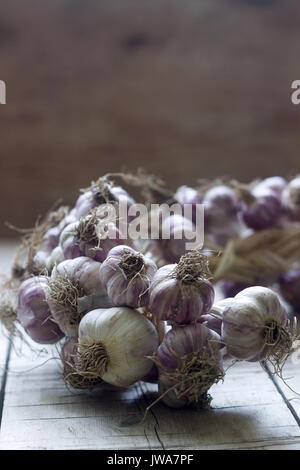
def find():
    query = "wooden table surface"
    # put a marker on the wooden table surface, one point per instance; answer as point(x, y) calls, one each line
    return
point(250, 410)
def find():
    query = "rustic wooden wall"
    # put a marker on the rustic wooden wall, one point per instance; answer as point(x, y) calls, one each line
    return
point(186, 89)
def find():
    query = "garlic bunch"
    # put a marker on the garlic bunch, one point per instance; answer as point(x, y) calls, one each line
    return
point(179, 292)
point(114, 345)
point(126, 275)
point(74, 289)
point(34, 313)
point(255, 326)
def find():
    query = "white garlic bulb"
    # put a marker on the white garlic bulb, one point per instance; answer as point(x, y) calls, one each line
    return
point(114, 344)
point(255, 325)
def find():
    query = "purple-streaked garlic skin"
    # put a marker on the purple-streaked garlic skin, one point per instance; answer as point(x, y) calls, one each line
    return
point(273, 183)
point(172, 300)
point(48, 252)
point(289, 287)
point(82, 272)
point(187, 195)
point(222, 215)
point(51, 238)
point(219, 199)
point(73, 248)
point(232, 288)
point(178, 344)
point(213, 320)
point(291, 198)
point(68, 242)
point(44, 263)
point(245, 320)
point(89, 200)
point(178, 226)
point(34, 313)
point(124, 290)
point(265, 211)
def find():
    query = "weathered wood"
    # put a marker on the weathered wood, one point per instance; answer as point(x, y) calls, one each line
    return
point(289, 387)
point(7, 251)
point(248, 412)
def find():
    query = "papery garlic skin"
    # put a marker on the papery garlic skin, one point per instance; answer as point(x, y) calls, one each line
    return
point(87, 292)
point(173, 300)
point(265, 211)
point(246, 322)
point(187, 195)
point(126, 275)
point(127, 337)
point(49, 253)
point(222, 220)
point(213, 320)
point(34, 313)
point(273, 183)
point(182, 231)
point(184, 353)
point(92, 199)
point(72, 247)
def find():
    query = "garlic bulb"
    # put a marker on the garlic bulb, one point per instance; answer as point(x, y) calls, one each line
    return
point(34, 313)
point(182, 231)
point(255, 326)
point(189, 361)
point(126, 275)
point(74, 289)
point(273, 183)
point(179, 292)
point(264, 209)
point(222, 214)
point(187, 195)
point(114, 344)
point(90, 237)
point(49, 253)
point(101, 192)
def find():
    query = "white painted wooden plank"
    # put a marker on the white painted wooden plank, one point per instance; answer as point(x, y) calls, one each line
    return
point(247, 412)
point(290, 386)
point(7, 253)
point(40, 412)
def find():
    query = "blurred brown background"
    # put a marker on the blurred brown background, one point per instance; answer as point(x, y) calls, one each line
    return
point(184, 89)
